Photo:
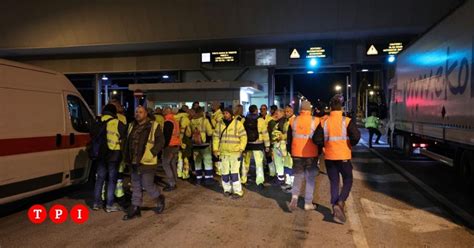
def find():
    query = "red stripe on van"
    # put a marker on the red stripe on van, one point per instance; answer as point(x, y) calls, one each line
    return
point(40, 144)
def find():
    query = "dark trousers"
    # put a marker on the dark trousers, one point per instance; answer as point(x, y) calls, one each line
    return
point(373, 131)
point(170, 159)
point(344, 168)
point(143, 178)
point(103, 169)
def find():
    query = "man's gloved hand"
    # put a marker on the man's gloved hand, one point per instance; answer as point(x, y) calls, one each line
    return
point(183, 146)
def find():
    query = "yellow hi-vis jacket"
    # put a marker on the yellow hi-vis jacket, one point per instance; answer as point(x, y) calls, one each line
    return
point(184, 122)
point(263, 136)
point(160, 120)
point(148, 157)
point(204, 126)
point(230, 139)
point(113, 135)
point(122, 118)
point(216, 117)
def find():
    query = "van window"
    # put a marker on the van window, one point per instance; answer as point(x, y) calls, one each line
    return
point(80, 116)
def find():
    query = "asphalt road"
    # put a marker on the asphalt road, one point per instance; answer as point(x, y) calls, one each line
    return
point(384, 210)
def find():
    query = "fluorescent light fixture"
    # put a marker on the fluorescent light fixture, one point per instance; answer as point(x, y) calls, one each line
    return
point(166, 76)
point(310, 72)
point(105, 78)
point(365, 70)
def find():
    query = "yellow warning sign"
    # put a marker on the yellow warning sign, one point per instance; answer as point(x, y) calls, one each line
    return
point(295, 54)
point(372, 50)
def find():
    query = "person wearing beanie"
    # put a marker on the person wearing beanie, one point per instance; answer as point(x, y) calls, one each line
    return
point(337, 134)
point(107, 163)
point(305, 154)
point(228, 142)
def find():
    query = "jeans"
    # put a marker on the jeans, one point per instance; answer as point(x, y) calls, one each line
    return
point(103, 169)
point(334, 168)
point(304, 169)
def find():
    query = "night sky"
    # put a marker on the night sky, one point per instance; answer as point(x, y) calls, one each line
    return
point(312, 86)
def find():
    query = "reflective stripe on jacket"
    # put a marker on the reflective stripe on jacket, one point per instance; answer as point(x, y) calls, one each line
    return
point(336, 140)
point(113, 134)
point(303, 128)
point(230, 140)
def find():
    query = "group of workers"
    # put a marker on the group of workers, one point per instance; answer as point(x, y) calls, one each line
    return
point(192, 144)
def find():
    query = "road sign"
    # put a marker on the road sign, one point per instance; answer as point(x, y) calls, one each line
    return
point(295, 54)
point(372, 50)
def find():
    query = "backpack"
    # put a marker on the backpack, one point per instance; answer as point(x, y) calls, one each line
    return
point(251, 127)
point(196, 137)
point(98, 147)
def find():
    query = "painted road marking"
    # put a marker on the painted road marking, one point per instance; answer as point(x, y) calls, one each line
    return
point(387, 178)
point(418, 220)
point(358, 233)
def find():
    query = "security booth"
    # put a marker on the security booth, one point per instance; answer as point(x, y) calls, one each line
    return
point(228, 93)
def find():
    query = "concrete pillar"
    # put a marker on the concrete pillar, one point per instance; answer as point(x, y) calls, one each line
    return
point(98, 96)
point(271, 86)
point(292, 93)
point(354, 88)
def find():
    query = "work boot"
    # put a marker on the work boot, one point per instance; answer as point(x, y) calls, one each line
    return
point(113, 208)
point(338, 214)
point(132, 213)
point(310, 206)
point(227, 194)
point(341, 204)
point(96, 207)
point(261, 187)
point(236, 196)
point(293, 204)
point(160, 205)
point(169, 188)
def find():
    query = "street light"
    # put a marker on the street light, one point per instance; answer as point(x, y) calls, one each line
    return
point(371, 92)
point(114, 92)
point(338, 88)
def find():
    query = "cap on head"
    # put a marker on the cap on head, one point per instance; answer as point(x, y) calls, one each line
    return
point(336, 102)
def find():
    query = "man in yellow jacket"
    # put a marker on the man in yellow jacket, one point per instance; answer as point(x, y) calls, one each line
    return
point(185, 152)
point(258, 141)
point(107, 164)
point(228, 143)
point(201, 139)
point(144, 141)
point(216, 117)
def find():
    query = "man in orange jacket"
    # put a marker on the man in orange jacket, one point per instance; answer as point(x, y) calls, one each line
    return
point(171, 132)
point(304, 153)
point(338, 133)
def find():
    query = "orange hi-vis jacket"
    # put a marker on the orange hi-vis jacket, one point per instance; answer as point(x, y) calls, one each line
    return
point(175, 139)
point(336, 141)
point(303, 127)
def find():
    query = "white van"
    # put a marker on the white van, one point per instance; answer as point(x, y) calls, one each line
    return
point(44, 129)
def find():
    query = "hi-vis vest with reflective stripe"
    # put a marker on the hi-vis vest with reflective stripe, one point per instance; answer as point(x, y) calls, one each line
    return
point(336, 141)
point(113, 136)
point(303, 128)
point(175, 136)
point(234, 138)
point(148, 158)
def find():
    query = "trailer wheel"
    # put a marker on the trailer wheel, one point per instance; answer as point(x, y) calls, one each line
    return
point(407, 145)
point(466, 168)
